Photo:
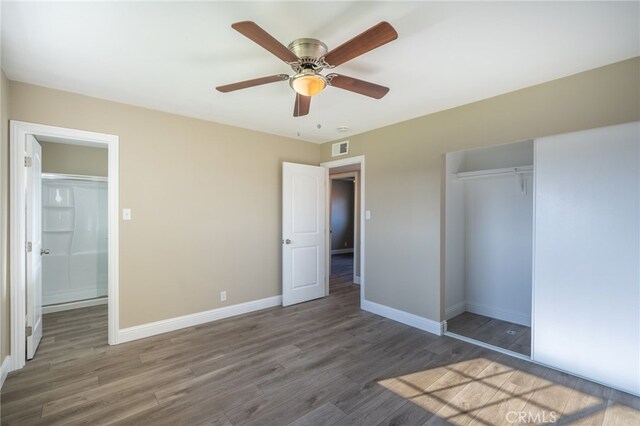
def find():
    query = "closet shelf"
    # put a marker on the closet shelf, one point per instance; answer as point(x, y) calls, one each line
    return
point(494, 172)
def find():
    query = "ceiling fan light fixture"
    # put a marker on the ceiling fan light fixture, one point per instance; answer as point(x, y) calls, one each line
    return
point(308, 82)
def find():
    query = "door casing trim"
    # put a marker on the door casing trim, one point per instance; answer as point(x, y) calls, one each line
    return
point(359, 159)
point(17, 222)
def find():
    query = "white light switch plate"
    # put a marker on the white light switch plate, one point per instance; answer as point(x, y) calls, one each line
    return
point(367, 214)
point(126, 214)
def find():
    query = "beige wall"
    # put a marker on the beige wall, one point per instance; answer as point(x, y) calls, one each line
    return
point(193, 234)
point(5, 338)
point(205, 200)
point(403, 170)
point(74, 159)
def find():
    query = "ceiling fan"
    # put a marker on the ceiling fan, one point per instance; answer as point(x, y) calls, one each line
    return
point(308, 57)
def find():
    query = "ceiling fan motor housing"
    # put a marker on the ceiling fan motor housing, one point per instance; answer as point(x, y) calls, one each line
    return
point(310, 51)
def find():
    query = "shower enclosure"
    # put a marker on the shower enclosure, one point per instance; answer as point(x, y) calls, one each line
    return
point(74, 238)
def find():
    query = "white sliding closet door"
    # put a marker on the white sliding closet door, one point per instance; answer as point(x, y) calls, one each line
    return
point(586, 301)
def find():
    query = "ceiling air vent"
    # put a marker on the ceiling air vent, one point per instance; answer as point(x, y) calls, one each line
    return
point(340, 148)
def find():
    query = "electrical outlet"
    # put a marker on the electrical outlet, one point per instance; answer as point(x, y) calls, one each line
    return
point(223, 296)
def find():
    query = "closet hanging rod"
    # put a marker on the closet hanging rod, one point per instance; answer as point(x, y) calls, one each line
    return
point(494, 172)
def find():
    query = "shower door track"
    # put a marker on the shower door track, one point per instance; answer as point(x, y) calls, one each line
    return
point(75, 177)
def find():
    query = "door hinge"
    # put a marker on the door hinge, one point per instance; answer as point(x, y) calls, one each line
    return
point(27, 161)
point(29, 246)
point(29, 331)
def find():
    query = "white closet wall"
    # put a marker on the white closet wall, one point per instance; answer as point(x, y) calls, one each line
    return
point(587, 254)
point(498, 242)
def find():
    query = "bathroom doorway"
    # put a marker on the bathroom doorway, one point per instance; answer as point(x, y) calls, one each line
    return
point(64, 210)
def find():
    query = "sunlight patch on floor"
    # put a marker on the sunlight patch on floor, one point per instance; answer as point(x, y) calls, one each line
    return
point(480, 391)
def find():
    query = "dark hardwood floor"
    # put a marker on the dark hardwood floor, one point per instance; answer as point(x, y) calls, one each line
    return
point(323, 362)
point(341, 270)
point(503, 334)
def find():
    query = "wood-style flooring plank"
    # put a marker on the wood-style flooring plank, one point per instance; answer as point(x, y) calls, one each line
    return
point(199, 407)
point(622, 409)
point(492, 331)
point(325, 415)
point(462, 408)
point(514, 393)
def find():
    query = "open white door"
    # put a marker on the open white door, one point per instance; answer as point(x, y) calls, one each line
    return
point(303, 232)
point(34, 245)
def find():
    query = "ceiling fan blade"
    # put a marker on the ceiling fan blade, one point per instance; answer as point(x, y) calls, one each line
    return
point(358, 86)
point(251, 83)
point(374, 37)
point(252, 31)
point(302, 105)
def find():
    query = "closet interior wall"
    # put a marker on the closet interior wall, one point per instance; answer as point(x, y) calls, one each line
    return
point(488, 228)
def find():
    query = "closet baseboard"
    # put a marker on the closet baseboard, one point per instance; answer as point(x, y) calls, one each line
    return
point(407, 318)
point(74, 305)
point(455, 310)
point(501, 314)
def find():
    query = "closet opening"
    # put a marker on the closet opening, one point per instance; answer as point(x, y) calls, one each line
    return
point(488, 246)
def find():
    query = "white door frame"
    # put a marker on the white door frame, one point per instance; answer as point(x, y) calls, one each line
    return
point(17, 239)
point(338, 163)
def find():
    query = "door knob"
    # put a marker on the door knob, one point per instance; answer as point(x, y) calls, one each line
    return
point(44, 251)
point(287, 241)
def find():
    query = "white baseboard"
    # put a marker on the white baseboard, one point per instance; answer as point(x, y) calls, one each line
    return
point(74, 305)
point(4, 369)
point(356, 279)
point(455, 310)
point(412, 320)
point(501, 314)
point(342, 251)
point(172, 324)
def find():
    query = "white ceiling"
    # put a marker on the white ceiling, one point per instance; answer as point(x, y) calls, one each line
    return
point(171, 55)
